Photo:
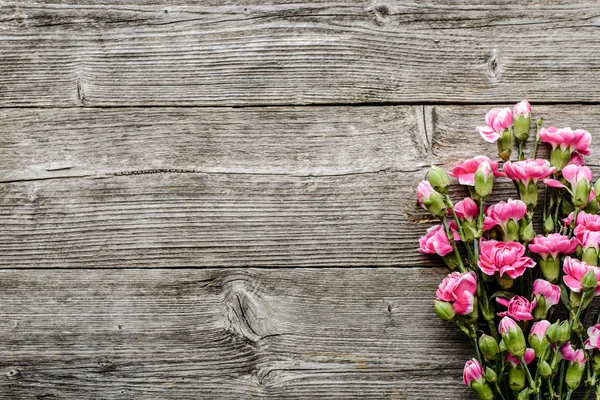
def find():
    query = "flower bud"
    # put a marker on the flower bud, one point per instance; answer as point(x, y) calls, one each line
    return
point(574, 375)
point(521, 121)
point(528, 233)
point(574, 300)
point(592, 207)
point(444, 310)
point(559, 158)
point(483, 390)
point(489, 347)
point(490, 375)
point(589, 281)
point(590, 256)
point(552, 332)
point(474, 378)
point(513, 337)
point(550, 268)
point(524, 394)
point(512, 231)
point(564, 332)
point(438, 179)
point(597, 189)
point(539, 312)
point(431, 200)
point(596, 362)
point(537, 337)
point(484, 180)
point(581, 193)
point(528, 193)
point(505, 145)
point(516, 378)
point(548, 225)
point(544, 369)
point(472, 317)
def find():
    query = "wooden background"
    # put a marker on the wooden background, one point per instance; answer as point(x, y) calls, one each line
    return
point(216, 199)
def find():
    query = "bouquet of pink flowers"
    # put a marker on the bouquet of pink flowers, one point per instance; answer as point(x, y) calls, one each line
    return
point(522, 298)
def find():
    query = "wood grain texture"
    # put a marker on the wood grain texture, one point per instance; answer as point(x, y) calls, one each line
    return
point(124, 53)
point(227, 334)
point(209, 187)
point(186, 187)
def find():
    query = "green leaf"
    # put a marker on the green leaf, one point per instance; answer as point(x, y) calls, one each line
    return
point(564, 296)
point(503, 293)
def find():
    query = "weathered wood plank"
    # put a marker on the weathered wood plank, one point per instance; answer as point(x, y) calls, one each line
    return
point(63, 53)
point(304, 186)
point(227, 334)
point(210, 187)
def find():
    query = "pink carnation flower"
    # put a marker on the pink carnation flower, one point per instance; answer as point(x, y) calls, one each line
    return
point(570, 354)
point(499, 214)
point(528, 357)
point(528, 171)
point(519, 308)
point(503, 257)
point(553, 245)
point(497, 120)
point(424, 191)
point(587, 230)
point(575, 270)
point(522, 108)
point(550, 292)
point(459, 289)
point(466, 209)
point(567, 139)
point(507, 325)
point(435, 241)
point(473, 372)
point(593, 341)
point(539, 329)
point(572, 173)
point(465, 172)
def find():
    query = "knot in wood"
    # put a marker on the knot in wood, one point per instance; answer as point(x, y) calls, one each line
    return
point(13, 373)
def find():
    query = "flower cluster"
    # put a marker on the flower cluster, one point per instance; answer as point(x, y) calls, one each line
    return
point(508, 280)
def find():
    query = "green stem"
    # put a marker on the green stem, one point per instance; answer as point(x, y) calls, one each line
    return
point(493, 330)
point(537, 137)
point(561, 377)
point(568, 396)
point(558, 204)
point(461, 233)
point(521, 154)
point(589, 389)
point(499, 391)
point(475, 345)
point(461, 266)
point(574, 222)
point(529, 377)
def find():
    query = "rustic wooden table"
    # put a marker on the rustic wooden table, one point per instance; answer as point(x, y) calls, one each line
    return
point(216, 199)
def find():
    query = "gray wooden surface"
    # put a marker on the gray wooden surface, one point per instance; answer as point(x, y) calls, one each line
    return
point(160, 240)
